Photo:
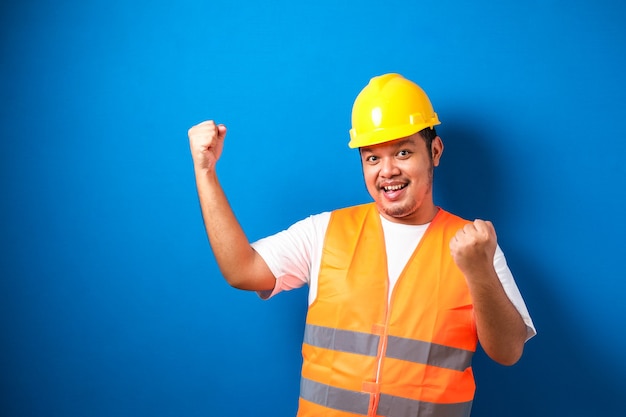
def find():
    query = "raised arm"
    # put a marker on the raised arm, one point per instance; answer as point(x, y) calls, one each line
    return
point(241, 266)
point(501, 329)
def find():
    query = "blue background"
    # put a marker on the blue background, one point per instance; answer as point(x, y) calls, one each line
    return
point(111, 303)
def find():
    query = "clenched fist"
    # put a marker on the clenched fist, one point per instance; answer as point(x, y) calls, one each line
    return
point(473, 248)
point(206, 141)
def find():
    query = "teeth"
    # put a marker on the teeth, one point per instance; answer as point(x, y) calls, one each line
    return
point(393, 187)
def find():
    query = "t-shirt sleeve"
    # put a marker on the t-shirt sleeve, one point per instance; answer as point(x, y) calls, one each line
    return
point(511, 290)
point(288, 254)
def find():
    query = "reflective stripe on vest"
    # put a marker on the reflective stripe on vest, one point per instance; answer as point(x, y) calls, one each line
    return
point(388, 406)
point(397, 347)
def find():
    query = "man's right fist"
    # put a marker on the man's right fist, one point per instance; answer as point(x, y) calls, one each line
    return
point(206, 141)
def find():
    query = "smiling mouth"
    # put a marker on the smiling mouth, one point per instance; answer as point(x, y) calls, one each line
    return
point(391, 188)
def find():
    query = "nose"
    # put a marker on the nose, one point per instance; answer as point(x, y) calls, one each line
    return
point(389, 168)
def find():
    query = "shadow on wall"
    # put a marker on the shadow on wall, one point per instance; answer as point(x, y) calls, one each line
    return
point(556, 376)
point(467, 181)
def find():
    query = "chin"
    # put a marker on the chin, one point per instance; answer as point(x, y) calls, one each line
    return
point(398, 212)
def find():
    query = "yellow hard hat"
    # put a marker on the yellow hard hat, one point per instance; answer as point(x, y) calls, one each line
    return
point(390, 107)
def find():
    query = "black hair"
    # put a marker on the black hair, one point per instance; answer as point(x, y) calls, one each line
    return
point(428, 134)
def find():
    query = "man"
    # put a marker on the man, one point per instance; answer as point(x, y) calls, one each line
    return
point(401, 291)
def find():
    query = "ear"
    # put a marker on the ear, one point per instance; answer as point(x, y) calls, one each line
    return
point(436, 149)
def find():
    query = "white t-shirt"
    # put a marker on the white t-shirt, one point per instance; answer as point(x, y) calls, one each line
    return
point(294, 256)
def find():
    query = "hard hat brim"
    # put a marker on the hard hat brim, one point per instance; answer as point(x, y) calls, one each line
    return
point(382, 135)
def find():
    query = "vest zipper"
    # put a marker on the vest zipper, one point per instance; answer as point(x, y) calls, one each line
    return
point(381, 354)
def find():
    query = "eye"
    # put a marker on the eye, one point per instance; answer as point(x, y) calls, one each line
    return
point(371, 159)
point(403, 154)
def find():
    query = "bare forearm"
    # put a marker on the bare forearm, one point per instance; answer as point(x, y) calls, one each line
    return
point(240, 265)
point(501, 329)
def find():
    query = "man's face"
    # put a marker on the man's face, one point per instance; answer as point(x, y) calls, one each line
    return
point(399, 177)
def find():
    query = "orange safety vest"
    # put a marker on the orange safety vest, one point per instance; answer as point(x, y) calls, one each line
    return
point(365, 355)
